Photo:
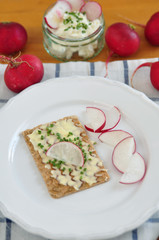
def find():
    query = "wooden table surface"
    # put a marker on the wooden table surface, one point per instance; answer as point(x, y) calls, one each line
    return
point(30, 12)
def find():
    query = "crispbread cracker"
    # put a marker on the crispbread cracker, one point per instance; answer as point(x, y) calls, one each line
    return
point(55, 188)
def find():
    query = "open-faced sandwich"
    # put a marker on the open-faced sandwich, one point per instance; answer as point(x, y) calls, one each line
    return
point(65, 156)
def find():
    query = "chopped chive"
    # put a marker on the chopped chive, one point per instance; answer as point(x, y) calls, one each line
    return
point(42, 137)
point(69, 170)
point(39, 131)
point(40, 145)
point(69, 134)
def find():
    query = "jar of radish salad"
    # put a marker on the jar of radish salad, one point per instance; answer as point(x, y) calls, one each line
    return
point(73, 30)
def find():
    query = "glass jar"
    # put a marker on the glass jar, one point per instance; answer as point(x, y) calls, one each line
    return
point(65, 49)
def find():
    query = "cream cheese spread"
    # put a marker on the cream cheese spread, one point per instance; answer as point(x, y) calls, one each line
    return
point(66, 174)
point(75, 25)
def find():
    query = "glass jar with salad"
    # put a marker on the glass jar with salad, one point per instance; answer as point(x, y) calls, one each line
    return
point(73, 30)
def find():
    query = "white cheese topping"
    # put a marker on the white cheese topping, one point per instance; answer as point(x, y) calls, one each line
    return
point(75, 25)
point(66, 174)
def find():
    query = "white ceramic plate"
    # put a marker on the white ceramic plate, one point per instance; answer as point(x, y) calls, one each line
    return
point(101, 212)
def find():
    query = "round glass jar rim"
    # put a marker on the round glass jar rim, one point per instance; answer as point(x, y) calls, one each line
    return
point(95, 33)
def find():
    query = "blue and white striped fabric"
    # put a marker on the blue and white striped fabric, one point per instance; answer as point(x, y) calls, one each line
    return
point(118, 70)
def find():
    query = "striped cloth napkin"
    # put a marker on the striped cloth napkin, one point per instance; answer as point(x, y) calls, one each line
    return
point(117, 70)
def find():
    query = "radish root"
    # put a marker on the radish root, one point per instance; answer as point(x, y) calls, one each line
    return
point(12, 61)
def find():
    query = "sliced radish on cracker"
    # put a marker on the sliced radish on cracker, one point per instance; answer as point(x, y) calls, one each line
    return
point(113, 117)
point(122, 153)
point(76, 4)
point(54, 16)
point(135, 171)
point(67, 152)
point(92, 9)
point(95, 119)
point(113, 137)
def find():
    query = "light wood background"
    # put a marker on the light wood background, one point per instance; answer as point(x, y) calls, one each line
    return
point(30, 12)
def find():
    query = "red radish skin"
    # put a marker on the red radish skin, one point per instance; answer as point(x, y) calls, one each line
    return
point(13, 37)
point(22, 72)
point(122, 40)
point(154, 73)
point(152, 30)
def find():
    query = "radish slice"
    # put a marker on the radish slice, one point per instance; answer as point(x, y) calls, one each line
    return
point(54, 16)
point(92, 9)
point(64, 6)
point(148, 64)
point(95, 119)
point(52, 20)
point(113, 117)
point(122, 153)
point(136, 170)
point(76, 4)
point(67, 152)
point(113, 137)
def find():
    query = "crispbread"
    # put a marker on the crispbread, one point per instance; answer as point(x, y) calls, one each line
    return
point(55, 188)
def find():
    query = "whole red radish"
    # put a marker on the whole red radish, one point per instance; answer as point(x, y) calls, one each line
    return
point(152, 29)
point(13, 37)
point(22, 72)
point(122, 40)
point(154, 73)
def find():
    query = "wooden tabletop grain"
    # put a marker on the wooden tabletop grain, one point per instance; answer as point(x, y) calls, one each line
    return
point(30, 13)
